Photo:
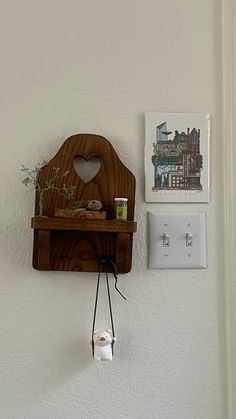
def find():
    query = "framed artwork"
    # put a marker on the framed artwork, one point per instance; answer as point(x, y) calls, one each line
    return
point(177, 157)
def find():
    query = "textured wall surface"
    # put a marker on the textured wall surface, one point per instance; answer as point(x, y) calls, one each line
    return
point(75, 66)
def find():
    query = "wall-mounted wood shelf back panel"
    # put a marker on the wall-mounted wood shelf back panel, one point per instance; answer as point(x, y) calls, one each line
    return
point(79, 245)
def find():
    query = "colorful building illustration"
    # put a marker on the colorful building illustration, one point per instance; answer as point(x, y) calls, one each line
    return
point(177, 162)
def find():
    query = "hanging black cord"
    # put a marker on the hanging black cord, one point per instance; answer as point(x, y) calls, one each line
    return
point(114, 271)
point(110, 309)
point(106, 261)
point(116, 279)
point(95, 311)
point(111, 315)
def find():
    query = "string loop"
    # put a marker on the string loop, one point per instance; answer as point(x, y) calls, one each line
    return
point(105, 261)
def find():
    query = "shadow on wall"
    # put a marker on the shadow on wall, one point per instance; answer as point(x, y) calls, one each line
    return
point(71, 359)
point(43, 370)
point(60, 366)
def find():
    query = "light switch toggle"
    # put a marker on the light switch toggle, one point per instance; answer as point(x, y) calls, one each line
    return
point(189, 240)
point(166, 240)
point(177, 240)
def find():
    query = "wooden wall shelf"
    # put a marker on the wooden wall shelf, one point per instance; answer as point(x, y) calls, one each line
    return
point(111, 226)
point(79, 245)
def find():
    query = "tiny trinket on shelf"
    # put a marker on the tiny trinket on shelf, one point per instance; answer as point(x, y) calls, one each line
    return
point(83, 210)
point(121, 206)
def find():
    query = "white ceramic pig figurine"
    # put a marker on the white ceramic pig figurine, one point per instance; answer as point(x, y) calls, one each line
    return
point(103, 345)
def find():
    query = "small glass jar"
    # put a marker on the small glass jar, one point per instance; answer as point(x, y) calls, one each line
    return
point(121, 206)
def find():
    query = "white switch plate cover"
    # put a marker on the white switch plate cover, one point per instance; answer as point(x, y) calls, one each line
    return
point(176, 225)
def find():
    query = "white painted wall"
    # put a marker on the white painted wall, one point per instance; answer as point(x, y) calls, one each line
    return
point(70, 67)
point(229, 152)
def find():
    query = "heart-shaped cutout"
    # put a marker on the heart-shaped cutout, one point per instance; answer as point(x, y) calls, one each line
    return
point(87, 169)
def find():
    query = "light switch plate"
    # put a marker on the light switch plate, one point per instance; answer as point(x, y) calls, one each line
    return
point(177, 240)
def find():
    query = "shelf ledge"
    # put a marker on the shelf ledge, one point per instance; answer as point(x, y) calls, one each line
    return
point(109, 226)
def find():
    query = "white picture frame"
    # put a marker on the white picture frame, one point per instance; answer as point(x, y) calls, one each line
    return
point(177, 157)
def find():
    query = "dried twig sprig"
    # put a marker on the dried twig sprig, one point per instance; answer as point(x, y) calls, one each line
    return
point(32, 178)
